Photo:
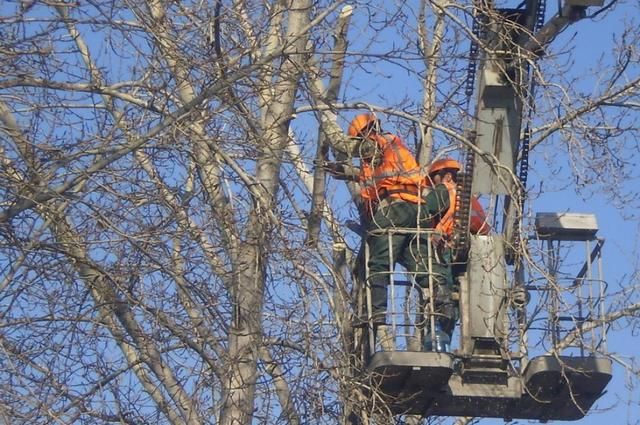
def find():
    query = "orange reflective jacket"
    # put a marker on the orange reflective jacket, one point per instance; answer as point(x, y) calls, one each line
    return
point(397, 174)
point(478, 221)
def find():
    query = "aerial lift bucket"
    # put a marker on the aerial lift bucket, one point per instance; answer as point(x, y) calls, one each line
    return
point(481, 377)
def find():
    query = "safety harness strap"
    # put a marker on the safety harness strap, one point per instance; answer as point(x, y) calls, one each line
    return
point(385, 192)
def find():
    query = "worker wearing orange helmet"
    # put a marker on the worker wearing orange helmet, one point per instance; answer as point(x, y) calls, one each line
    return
point(388, 169)
point(391, 189)
point(445, 171)
point(443, 176)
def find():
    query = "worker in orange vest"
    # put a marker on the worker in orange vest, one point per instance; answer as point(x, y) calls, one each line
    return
point(445, 172)
point(391, 190)
point(443, 177)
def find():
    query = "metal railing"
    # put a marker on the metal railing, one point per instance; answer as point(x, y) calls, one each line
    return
point(574, 313)
point(410, 306)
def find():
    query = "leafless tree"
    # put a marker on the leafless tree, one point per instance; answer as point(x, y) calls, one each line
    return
point(169, 252)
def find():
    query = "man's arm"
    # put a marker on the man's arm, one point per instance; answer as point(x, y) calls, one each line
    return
point(437, 201)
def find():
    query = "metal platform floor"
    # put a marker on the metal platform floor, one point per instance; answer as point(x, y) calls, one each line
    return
point(551, 388)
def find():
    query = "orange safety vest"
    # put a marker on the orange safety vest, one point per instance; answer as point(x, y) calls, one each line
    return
point(396, 176)
point(478, 221)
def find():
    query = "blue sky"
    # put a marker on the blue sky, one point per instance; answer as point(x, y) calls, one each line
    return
point(620, 229)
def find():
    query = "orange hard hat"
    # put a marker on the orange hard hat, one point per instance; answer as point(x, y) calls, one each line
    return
point(444, 164)
point(361, 123)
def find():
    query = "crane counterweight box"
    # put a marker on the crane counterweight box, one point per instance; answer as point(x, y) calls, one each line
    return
point(566, 226)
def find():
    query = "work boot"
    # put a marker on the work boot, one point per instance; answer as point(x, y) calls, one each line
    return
point(384, 338)
point(414, 343)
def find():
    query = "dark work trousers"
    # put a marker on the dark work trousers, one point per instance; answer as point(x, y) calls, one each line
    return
point(408, 250)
